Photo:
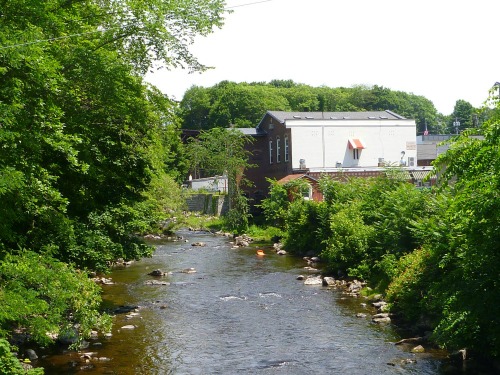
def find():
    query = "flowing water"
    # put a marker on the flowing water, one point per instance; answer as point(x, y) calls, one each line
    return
point(240, 313)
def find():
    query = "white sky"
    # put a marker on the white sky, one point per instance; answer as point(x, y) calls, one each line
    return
point(444, 50)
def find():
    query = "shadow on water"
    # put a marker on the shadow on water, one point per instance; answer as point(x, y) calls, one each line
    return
point(238, 313)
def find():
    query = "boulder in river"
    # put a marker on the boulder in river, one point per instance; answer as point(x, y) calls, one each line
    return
point(418, 349)
point(313, 280)
point(242, 241)
point(329, 281)
point(157, 273)
point(381, 318)
point(31, 354)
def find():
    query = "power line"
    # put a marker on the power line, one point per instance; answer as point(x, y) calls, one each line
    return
point(247, 4)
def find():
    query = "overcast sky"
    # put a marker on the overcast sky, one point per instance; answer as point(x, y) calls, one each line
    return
point(444, 50)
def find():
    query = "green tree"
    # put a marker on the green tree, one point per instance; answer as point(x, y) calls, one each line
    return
point(463, 113)
point(194, 108)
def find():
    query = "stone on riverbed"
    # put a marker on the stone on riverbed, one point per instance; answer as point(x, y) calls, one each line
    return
point(418, 349)
point(156, 282)
point(313, 280)
point(381, 318)
point(31, 354)
point(329, 281)
point(157, 273)
point(242, 241)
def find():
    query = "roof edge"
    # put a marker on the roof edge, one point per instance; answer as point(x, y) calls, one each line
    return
point(395, 115)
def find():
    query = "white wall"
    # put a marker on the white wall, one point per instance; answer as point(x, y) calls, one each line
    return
point(216, 183)
point(323, 143)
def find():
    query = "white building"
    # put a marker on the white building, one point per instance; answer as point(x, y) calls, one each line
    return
point(324, 140)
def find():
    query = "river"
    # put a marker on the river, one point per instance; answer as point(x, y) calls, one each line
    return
point(239, 313)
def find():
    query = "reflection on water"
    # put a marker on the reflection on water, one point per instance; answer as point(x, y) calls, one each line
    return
point(239, 313)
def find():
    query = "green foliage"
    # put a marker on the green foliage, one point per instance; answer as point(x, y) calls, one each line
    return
point(464, 113)
point(302, 222)
point(275, 205)
point(236, 219)
point(469, 262)
point(264, 233)
point(10, 365)
point(372, 221)
point(348, 245)
point(45, 296)
point(197, 221)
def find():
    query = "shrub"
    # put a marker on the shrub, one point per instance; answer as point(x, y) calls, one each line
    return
point(10, 365)
point(348, 245)
point(42, 295)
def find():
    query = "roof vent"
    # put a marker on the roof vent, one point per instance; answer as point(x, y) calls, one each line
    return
point(333, 117)
point(295, 116)
point(384, 117)
point(372, 117)
point(346, 117)
point(309, 117)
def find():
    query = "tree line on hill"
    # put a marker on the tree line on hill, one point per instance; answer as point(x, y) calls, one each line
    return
point(244, 105)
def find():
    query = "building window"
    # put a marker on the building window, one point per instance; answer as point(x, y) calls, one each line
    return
point(355, 153)
point(271, 160)
point(278, 150)
point(306, 192)
point(286, 148)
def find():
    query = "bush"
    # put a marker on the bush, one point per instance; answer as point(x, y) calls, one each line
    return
point(302, 224)
point(42, 295)
point(348, 245)
point(408, 291)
